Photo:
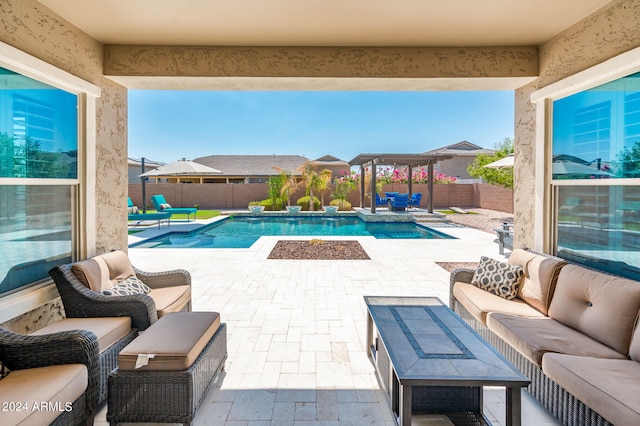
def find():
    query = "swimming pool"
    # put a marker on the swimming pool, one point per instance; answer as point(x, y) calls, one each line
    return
point(242, 232)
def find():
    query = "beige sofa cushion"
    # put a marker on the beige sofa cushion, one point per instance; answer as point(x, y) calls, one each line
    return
point(171, 299)
point(175, 340)
point(608, 386)
point(58, 384)
point(634, 349)
point(602, 306)
point(533, 337)
point(479, 303)
point(104, 271)
point(108, 330)
point(540, 274)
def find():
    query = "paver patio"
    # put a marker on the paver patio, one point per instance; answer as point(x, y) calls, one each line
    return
point(297, 328)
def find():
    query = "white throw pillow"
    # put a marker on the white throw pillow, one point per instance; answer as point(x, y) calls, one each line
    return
point(131, 285)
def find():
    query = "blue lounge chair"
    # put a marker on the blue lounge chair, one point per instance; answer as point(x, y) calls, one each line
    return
point(399, 202)
point(380, 201)
point(134, 214)
point(161, 205)
point(415, 199)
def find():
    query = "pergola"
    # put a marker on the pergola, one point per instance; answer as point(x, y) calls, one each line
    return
point(409, 160)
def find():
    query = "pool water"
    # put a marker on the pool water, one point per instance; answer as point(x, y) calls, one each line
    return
point(242, 232)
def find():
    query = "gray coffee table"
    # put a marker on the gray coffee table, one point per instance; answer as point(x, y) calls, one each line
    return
point(428, 360)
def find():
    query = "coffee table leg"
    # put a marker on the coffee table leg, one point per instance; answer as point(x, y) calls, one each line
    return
point(369, 335)
point(514, 406)
point(405, 405)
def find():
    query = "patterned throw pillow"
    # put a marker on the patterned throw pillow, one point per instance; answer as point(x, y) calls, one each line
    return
point(132, 210)
point(4, 371)
point(165, 206)
point(131, 285)
point(501, 279)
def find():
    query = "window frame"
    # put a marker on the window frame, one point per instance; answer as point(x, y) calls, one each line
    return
point(547, 188)
point(83, 206)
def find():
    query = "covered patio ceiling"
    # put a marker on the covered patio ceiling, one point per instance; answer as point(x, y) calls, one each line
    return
point(410, 160)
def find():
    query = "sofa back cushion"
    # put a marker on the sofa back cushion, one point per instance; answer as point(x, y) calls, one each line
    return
point(540, 275)
point(601, 306)
point(104, 271)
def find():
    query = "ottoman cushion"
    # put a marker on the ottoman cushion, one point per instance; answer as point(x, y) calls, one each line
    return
point(172, 343)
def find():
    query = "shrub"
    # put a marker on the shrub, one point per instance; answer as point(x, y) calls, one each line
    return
point(254, 203)
point(343, 205)
point(270, 205)
point(304, 202)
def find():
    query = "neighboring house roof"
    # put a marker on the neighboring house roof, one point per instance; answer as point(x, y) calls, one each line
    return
point(462, 148)
point(252, 165)
point(331, 161)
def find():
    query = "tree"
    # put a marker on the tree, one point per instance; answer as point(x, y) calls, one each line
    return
point(309, 176)
point(503, 176)
point(323, 181)
point(628, 162)
point(289, 184)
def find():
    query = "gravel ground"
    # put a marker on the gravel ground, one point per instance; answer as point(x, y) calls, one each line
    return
point(317, 249)
point(485, 220)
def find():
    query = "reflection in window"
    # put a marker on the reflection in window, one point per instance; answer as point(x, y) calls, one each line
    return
point(596, 133)
point(38, 129)
point(599, 226)
point(35, 232)
point(38, 141)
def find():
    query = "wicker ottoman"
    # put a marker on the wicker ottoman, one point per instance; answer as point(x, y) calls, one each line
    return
point(164, 373)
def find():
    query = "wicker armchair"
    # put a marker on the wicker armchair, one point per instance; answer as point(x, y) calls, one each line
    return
point(20, 352)
point(80, 301)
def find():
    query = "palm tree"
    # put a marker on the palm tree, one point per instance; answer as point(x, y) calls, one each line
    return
point(323, 181)
point(289, 183)
point(310, 179)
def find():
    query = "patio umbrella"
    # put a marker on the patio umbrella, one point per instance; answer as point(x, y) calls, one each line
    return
point(182, 167)
point(573, 168)
point(501, 163)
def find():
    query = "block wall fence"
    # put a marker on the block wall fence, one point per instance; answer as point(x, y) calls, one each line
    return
point(237, 196)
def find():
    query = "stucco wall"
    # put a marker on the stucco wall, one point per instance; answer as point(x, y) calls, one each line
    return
point(33, 29)
point(605, 34)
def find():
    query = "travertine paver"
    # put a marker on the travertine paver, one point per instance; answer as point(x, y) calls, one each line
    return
point(296, 328)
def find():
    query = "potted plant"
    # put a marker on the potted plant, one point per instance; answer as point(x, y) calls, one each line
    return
point(256, 207)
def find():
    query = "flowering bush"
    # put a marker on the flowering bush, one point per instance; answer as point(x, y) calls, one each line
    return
point(386, 176)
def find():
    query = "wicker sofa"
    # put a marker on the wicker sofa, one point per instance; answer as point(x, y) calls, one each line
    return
point(574, 331)
point(53, 378)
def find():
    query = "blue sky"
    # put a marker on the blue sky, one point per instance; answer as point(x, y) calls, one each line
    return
point(168, 125)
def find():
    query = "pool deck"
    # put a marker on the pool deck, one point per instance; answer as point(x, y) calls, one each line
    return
point(297, 327)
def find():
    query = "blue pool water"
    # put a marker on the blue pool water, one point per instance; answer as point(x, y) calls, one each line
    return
point(242, 232)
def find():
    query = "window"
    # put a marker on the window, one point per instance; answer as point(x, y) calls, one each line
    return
point(595, 170)
point(38, 178)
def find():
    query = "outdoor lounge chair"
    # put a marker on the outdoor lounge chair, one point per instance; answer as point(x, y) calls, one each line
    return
point(380, 201)
point(415, 199)
point(134, 214)
point(81, 286)
point(58, 369)
point(399, 202)
point(161, 205)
